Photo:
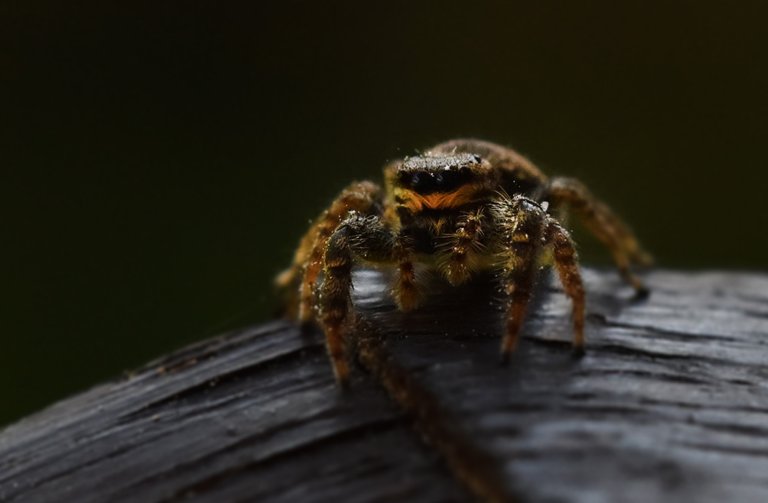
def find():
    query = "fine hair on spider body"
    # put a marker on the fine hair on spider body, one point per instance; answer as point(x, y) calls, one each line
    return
point(460, 208)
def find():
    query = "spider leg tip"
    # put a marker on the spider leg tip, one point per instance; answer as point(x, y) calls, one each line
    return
point(641, 293)
point(343, 384)
point(578, 352)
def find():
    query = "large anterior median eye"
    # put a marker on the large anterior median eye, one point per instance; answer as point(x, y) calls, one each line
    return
point(405, 178)
point(429, 181)
point(419, 181)
point(426, 182)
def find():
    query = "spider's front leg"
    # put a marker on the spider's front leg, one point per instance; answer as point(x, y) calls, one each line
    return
point(357, 237)
point(527, 230)
point(299, 279)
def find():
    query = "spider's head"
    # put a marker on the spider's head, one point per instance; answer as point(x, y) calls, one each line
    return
point(439, 181)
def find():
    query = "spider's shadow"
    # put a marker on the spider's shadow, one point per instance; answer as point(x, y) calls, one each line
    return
point(461, 326)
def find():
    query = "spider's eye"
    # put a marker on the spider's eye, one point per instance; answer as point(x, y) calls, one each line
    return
point(405, 178)
point(423, 182)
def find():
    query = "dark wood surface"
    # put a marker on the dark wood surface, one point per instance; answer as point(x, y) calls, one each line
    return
point(670, 403)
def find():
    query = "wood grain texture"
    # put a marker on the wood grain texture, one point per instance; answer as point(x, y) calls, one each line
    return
point(251, 416)
point(670, 403)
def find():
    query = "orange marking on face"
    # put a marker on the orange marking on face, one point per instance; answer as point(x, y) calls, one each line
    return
point(437, 200)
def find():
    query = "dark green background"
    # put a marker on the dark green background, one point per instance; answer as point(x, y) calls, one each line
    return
point(160, 161)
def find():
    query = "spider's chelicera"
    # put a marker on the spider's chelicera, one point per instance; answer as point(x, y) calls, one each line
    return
point(461, 207)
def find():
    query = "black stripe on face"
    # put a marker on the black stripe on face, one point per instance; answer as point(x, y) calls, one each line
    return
point(427, 181)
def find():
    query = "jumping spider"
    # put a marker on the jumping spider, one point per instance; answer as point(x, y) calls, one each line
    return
point(461, 207)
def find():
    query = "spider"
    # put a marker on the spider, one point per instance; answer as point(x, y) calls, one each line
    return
point(461, 207)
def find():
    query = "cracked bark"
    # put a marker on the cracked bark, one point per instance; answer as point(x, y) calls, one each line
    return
point(670, 403)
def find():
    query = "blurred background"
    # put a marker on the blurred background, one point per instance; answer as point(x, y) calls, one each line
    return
point(160, 161)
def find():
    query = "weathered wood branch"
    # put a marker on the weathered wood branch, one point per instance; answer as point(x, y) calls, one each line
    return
point(670, 403)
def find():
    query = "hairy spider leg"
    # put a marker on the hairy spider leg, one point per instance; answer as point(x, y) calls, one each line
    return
point(405, 291)
point(363, 197)
point(462, 247)
point(357, 237)
point(566, 263)
point(529, 231)
point(522, 222)
point(604, 224)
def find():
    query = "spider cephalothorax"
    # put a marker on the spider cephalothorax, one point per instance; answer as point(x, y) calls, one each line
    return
point(462, 207)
